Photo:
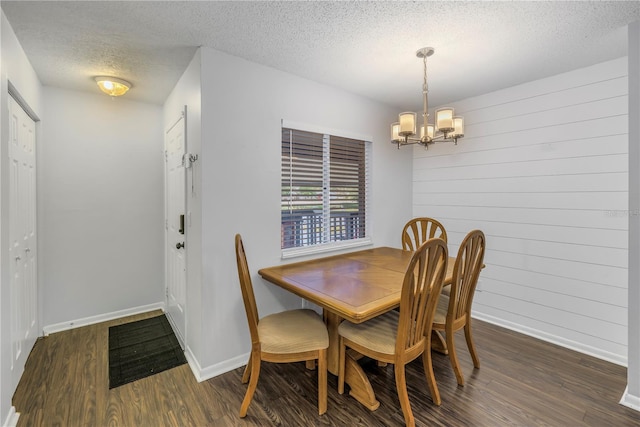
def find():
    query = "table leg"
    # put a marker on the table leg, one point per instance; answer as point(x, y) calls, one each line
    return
point(333, 321)
point(354, 375)
point(438, 343)
point(360, 386)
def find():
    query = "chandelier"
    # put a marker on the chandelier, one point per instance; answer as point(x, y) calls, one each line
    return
point(448, 127)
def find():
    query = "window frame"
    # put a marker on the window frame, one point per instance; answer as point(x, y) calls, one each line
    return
point(342, 244)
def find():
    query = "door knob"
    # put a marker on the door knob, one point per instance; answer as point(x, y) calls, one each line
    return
point(179, 245)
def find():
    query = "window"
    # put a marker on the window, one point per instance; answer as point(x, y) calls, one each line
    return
point(324, 190)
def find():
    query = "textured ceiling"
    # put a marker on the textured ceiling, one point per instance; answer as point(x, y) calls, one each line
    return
point(364, 47)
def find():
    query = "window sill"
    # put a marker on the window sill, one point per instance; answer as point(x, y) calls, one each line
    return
point(327, 247)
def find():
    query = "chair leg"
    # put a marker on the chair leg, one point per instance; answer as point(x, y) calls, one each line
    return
point(247, 371)
point(427, 363)
point(470, 345)
point(403, 396)
point(253, 382)
point(454, 357)
point(322, 381)
point(341, 365)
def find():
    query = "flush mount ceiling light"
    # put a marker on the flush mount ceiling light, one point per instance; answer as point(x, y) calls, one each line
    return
point(112, 86)
point(448, 127)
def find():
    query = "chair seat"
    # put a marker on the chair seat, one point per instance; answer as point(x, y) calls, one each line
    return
point(446, 290)
point(442, 309)
point(378, 334)
point(292, 331)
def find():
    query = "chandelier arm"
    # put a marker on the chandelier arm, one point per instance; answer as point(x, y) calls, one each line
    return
point(410, 141)
point(445, 138)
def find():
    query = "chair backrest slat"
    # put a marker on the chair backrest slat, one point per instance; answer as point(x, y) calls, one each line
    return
point(419, 230)
point(465, 274)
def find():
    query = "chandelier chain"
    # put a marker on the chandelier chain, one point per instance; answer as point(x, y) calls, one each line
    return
point(425, 91)
point(425, 88)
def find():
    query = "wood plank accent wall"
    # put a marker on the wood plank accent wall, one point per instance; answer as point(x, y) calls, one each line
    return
point(543, 172)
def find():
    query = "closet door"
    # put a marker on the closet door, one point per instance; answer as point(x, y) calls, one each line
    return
point(22, 225)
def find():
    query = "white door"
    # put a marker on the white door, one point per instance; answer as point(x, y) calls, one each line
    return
point(176, 274)
point(22, 234)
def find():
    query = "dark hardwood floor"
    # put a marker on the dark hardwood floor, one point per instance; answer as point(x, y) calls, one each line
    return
point(522, 382)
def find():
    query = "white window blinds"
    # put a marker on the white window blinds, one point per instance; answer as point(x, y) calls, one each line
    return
point(324, 188)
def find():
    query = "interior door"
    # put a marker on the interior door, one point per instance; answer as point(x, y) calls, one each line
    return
point(175, 207)
point(22, 234)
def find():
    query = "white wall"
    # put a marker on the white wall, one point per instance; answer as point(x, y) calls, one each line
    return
point(187, 93)
point(14, 68)
point(242, 107)
point(101, 201)
point(543, 171)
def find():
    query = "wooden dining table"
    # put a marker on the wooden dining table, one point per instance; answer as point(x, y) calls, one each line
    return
point(355, 286)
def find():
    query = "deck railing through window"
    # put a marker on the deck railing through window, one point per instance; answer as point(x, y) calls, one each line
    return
point(305, 228)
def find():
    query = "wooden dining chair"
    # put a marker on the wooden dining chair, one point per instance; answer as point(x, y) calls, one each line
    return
point(398, 337)
point(419, 230)
point(288, 336)
point(454, 310)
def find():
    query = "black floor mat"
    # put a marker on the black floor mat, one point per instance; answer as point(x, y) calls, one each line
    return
point(141, 349)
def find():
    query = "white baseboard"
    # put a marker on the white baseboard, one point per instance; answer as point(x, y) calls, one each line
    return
point(214, 370)
point(12, 418)
point(554, 339)
point(65, 326)
point(630, 400)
